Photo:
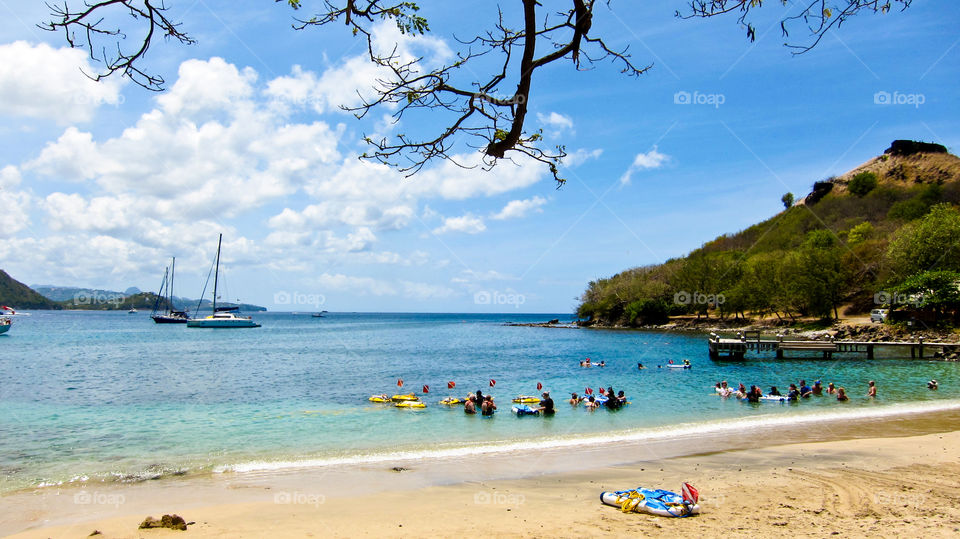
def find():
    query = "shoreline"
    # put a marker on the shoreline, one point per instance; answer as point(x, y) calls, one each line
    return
point(330, 492)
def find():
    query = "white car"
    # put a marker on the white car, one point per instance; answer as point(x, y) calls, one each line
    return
point(879, 315)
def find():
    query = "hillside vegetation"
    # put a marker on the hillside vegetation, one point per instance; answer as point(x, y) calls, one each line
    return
point(17, 295)
point(887, 233)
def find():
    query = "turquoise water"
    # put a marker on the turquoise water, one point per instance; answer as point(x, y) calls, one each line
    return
point(113, 396)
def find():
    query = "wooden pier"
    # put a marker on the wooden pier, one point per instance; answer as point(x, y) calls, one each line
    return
point(750, 341)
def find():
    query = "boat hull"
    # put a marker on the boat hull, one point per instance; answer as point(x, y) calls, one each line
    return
point(217, 323)
point(164, 319)
point(4, 328)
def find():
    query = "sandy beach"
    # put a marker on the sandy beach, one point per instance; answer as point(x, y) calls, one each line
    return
point(884, 486)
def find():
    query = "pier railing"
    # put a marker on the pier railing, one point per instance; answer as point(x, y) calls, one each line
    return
point(751, 341)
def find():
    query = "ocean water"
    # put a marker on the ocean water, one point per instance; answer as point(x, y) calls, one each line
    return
point(114, 397)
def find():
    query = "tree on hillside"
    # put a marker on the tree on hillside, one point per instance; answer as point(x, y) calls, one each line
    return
point(938, 291)
point(931, 243)
point(862, 183)
point(787, 200)
point(464, 97)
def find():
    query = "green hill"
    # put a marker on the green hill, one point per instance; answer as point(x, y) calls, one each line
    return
point(17, 295)
point(887, 233)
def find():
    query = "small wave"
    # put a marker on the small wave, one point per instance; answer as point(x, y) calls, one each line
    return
point(681, 430)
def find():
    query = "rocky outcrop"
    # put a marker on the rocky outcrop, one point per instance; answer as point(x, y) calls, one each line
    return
point(174, 522)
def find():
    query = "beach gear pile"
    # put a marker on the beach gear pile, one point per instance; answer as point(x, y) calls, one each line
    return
point(655, 502)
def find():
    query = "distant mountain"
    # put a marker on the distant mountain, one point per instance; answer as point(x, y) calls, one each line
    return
point(95, 299)
point(17, 295)
point(78, 295)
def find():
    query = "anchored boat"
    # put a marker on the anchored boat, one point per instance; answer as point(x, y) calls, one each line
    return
point(171, 316)
point(222, 317)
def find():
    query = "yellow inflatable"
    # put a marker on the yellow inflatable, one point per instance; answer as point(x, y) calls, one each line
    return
point(410, 404)
point(450, 401)
point(407, 397)
point(380, 398)
point(526, 399)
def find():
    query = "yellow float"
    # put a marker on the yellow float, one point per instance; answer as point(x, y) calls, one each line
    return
point(407, 397)
point(380, 398)
point(526, 399)
point(410, 404)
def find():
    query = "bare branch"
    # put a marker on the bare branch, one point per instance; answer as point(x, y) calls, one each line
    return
point(817, 16)
point(90, 22)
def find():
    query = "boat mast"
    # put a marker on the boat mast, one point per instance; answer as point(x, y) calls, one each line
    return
point(156, 304)
point(216, 275)
point(173, 266)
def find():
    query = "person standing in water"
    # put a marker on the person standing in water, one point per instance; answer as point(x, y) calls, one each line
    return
point(546, 404)
point(872, 392)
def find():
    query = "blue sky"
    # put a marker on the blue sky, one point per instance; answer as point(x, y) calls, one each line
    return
point(100, 184)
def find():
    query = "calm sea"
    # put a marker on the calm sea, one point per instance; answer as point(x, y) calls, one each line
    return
point(114, 397)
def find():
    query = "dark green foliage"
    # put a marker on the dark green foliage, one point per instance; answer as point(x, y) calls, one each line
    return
point(935, 290)
point(787, 200)
point(17, 295)
point(805, 261)
point(918, 206)
point(862, 183)
point(931, 243)
point(820, 190)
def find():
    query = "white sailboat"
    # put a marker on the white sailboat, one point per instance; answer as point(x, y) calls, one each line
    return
point(221, 317)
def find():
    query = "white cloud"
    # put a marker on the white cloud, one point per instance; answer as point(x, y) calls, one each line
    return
point(558, 122)
point(580, 156)
point(214, 155)
point(644, 161)
point(424, 291)
point(516, 209)
point(207, 85)
point(354, 81)
point(359, 285)
point(467, 223)
point(9, 177)
point(39, 81)
point(14, 205)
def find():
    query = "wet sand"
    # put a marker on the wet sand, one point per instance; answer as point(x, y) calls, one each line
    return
point(892, 477)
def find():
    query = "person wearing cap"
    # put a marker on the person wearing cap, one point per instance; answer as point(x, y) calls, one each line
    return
point(575, 399)
point(932, 385)
point(817, 389)
point(546, 404)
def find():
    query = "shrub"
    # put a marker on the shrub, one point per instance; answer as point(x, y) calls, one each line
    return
point(862, 183)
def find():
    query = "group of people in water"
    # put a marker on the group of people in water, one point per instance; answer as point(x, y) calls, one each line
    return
point(614, 401)
point(794, 393)
point(478, 402)
point(488, 407)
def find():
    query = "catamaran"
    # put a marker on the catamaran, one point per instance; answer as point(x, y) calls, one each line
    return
point(222, 317)
point(171, 316)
